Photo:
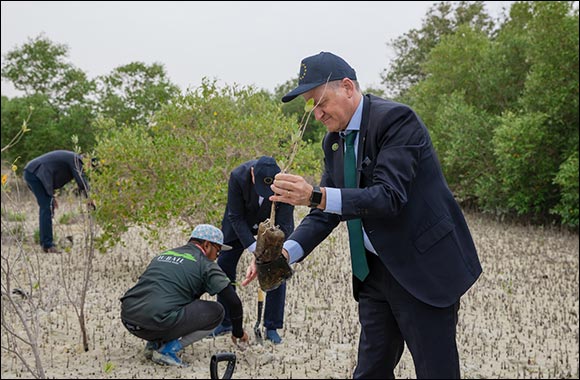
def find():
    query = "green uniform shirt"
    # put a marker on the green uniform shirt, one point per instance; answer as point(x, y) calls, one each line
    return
point(172, 280)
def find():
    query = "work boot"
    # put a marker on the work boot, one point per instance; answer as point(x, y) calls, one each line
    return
point(167, 354)
point(52, 249)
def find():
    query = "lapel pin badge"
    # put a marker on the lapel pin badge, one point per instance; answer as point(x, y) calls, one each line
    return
point(335, 147)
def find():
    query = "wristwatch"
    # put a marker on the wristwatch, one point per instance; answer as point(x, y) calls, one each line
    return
point(315, 197)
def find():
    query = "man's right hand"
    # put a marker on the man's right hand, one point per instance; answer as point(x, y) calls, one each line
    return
point(251, 273)
point(242, 342)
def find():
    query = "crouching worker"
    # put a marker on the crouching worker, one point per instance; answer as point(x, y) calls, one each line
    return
point(165, 308)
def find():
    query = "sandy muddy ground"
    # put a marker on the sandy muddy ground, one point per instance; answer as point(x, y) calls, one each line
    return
point(520, 320)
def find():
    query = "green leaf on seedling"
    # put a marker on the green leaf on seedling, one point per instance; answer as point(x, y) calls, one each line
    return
point(309, 105)
point(109, 367)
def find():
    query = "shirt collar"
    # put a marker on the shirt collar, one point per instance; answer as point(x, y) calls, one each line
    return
point(355, 120)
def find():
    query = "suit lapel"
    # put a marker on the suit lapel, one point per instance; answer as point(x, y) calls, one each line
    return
point(337, 154)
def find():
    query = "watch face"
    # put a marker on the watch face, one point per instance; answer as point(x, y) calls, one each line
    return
point(316, 197)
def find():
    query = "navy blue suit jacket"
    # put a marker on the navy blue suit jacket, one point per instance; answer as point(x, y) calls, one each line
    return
point(57, 168)
point(243, 213)
point(406, 207)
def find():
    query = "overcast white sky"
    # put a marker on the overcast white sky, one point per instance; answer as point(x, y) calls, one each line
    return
point(244, 43)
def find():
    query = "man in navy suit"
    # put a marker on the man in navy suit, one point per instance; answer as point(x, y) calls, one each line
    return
point(50, 172)
point(248, 205)
point(417, 256)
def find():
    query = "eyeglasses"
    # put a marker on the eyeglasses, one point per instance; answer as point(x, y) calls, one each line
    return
point(218, 248)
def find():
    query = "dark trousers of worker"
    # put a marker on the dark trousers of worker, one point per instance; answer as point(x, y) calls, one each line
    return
point(275, 299)
point(199, 315)
point(45, 209)
point(390, 317)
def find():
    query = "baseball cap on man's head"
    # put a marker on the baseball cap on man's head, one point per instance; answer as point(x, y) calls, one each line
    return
point(317, 70)
point(264, 171)
point(211, 234)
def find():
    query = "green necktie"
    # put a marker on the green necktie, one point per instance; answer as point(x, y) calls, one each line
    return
point(360, 267)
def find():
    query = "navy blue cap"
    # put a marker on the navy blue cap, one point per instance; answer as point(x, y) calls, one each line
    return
point(264, 172)
point(317, 70)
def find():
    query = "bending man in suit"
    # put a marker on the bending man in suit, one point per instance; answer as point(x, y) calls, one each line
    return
point(417, 256)
point(248, 205)
point(50, 172)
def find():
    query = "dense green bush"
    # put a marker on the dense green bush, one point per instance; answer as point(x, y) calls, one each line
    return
point(567, 179)
point(463, 136)
point(519, 85)
point(179, 165)
point(50, 129)
point(524, 150)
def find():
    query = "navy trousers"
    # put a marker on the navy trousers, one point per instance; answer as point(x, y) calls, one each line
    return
point(390, 317)
point(275, 299)
point(45, 209)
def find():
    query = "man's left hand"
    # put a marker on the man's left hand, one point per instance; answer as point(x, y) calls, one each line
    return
point(292, 189)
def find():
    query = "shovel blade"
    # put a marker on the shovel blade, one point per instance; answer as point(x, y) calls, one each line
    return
point(258, 333)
